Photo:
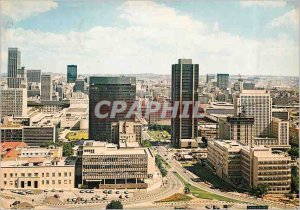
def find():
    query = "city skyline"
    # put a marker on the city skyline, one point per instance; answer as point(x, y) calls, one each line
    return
point(126, 40)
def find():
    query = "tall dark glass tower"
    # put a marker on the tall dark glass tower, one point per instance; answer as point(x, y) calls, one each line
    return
point(13, 64)
point(71, 73)
point(185, 79)
point(109, 89)
point(222, 81)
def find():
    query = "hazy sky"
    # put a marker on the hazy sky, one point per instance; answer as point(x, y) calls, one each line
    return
point(101, 37)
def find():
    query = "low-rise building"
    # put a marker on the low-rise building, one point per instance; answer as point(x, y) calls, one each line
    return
point(38, 173)
point(250, 165)
point(106, 166)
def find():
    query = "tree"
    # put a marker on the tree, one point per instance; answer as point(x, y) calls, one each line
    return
point(146, 143)
point(294, 152)
point(114, 205)
point(260, 190)
point(295, 181)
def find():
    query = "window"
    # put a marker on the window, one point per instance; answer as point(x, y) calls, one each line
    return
point(36, 174)
point(70, 174)
point(43, 174)
point(65, 181)
point(66, 174)
point(70, 181)
point(53, 174)
point(59, 174)
point(22, 174)
point(47, 174)
point(29, 174)
point(5, 175)
point(11, 175)
point(53, 181)
point(47, 181)
point(5, 182)
point(59, 181)
point(43, 182)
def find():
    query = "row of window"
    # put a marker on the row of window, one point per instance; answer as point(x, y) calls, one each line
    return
point(59, 174)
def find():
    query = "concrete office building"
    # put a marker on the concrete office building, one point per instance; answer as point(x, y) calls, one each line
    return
point(46, 87)
point(280, 130)
point(13, 64)
point(210, 77)
point(71, 73)
point(127, 132)
point(250, 166)
point(33, 76)
point(79, 85)
point(109, 89)
point(13, 102)
point(237, 128)
point(185, 80)
point(282, 114)
point(256, 104)
point(105, 167)
point(223, 81)
point(38, 173)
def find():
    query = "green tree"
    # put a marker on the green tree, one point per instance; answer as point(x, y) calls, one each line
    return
point(146, 143)
point(158, 162)
point(114, 205)
point(295, 181)
point(260, 190)
point(294, 152)
point(67, 149)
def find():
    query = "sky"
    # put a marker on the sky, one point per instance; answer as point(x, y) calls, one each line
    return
point(125, 37)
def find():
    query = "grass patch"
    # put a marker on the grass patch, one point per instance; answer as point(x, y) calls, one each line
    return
point(204, 194)
point(159, 135)
point(176, 197)
point(80, 135)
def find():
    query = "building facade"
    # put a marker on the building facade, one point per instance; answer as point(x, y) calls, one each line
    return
point(110, 89)
point(223, 81)
point(185, 80)
point(71, 73)
point(13, 102)
point(33, 76)
point(250, 166)
point(13, 64)
point(46, 87)
point(256, 104)
point(105, 167)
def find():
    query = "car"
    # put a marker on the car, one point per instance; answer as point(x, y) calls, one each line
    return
point(126, 196)
point(22, 193)
point(69, 199)
point(53, 190)
point(81, 191)
point(93, 198)
point(109, 191)
point(46, 190)
point(104, 198)
point(97, 198)
point(61, 190)
point(92, 191)
point(126, 192)
point(87, 191)
point(29, 193)
point(74, 199)
point(105, 191)
point(82, 199)
point(117, 192)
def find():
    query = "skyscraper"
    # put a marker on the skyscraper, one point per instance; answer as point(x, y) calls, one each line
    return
point(109, 89)
point(34, 76)
point(46, 87)
point(13, 102)
point(185, 79)
point(13, 64)
point(71, 73)
point(79, 85)
point(256, 104)
point(222, 81)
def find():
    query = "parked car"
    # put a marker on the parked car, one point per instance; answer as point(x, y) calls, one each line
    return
point(46, 190)
point(105, 191)
point(92, 191)
point(109, 191)
point(53, 190)
point(126, 196)
point(82, 191)
point(117, 192)
point(126, 192)
point(61, 190)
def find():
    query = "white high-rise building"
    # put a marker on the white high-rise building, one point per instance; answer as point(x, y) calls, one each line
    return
point(14, 102)
point(46, 87)
point(256, 104)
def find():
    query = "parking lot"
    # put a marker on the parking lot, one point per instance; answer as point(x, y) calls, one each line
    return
point(71, 197)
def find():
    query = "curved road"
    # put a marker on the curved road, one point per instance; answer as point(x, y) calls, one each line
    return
point(181, 171)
